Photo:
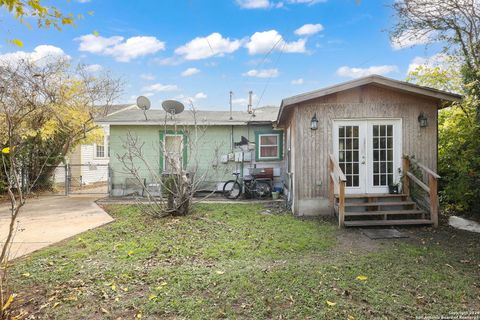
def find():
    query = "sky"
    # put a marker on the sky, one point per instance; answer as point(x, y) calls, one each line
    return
point(199, 50)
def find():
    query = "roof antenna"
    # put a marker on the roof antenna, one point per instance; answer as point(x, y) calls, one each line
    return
point(249, 109)
point(231, 95)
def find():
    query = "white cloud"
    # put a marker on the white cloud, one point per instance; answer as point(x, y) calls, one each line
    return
point(83, 1)
point(190, 72)
point(119, 48)
point(438, 60)
point(205, 47)
point(297, 81)
point(408, 40)
point(264, 73)
point(309, 29)
point(158, 87)
point(93, 68)
point(40, 53)
point(147, 76)
point(201, 95)
point(363, 72)
point(254, 4)
point(263, 42)
point(244, 101)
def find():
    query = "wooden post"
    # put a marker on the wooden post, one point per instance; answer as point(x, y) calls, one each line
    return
point(432, 184)
point(331, 187)
point(406, 182)
point(341, 203)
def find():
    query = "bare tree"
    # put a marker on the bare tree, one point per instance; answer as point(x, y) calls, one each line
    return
point(175, 187)
point(456, 22)
point(46, 107)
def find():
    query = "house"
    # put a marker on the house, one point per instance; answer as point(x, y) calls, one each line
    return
point(88, 163)
point(346, 144)
point(219, 150)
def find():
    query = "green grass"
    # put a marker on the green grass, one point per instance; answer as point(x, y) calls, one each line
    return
point(229, 261)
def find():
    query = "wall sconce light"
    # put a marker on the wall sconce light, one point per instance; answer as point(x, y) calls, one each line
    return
point(314, 122)
point(422, 120)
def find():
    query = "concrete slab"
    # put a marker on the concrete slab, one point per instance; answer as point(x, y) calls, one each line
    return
point(50, 219)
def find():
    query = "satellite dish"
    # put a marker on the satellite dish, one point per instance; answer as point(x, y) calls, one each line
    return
point(143, 103)
point(173, 106)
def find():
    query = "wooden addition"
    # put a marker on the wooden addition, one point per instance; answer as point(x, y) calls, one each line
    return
point(317, 184)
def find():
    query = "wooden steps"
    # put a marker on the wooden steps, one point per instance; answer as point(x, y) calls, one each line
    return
point(381, 210)
point(366, 223)
point(382, 213)
point(380, 204)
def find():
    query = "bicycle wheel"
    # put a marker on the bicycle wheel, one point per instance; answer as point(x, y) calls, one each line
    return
point(262, 189)
point(232, 189)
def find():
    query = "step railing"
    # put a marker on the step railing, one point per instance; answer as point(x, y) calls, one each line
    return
point(337, 186)
point(431, 188)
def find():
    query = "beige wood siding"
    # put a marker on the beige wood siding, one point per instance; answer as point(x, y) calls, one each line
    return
point(310, 149)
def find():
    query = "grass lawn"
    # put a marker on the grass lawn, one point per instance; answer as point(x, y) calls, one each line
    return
point(230, 261)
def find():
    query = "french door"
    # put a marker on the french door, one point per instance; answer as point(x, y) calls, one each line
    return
point(369, 153)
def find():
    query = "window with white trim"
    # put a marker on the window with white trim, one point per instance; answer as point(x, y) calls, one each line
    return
point(268, 146)
point(99, 151)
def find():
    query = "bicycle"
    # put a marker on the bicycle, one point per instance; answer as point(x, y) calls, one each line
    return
point(232, 189)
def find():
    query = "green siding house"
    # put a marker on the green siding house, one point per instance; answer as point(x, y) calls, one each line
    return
point(216, 151)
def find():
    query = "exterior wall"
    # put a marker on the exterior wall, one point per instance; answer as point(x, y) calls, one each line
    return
point(311, 172)
point(203, 157)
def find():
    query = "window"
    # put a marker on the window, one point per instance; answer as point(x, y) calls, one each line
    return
point(173, 152)
point(99, 151)
point(269, 146)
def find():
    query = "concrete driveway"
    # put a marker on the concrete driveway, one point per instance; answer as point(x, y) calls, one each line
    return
point(50, 219)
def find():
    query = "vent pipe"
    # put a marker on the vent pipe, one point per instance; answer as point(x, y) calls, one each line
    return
point(250, 94)
point(231, 95)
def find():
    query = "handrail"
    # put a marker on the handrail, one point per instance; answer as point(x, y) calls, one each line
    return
point(426, 169)
point(431, 189)
point(418, 181)
point(337, 169)
point(337, 182)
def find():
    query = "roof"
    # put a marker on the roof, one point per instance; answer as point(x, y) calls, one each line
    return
point(160, 117)
point(372, 79)
point(102, 111)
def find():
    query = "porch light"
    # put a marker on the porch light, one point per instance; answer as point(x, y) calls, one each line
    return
point(422, 120)
point(314, 122)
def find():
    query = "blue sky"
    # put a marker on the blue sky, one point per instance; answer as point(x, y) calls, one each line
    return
point(200, 50)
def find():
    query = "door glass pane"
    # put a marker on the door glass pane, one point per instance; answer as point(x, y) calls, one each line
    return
point(173, 152)
point(348, 148)
point(382, 155)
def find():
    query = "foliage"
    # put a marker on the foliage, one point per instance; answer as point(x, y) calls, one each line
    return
point(51, 107)
point(46, 16)
point(232, 261)
point(459, 146)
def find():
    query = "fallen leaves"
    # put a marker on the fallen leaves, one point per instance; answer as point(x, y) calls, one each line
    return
point(330, 303)
point(8, 302)
point(362, 278)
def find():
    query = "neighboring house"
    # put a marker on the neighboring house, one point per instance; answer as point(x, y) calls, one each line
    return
point(218, 150)
point(89, 162)
point(365, 127)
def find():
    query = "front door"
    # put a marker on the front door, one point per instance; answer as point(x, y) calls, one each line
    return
point(369, 153)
